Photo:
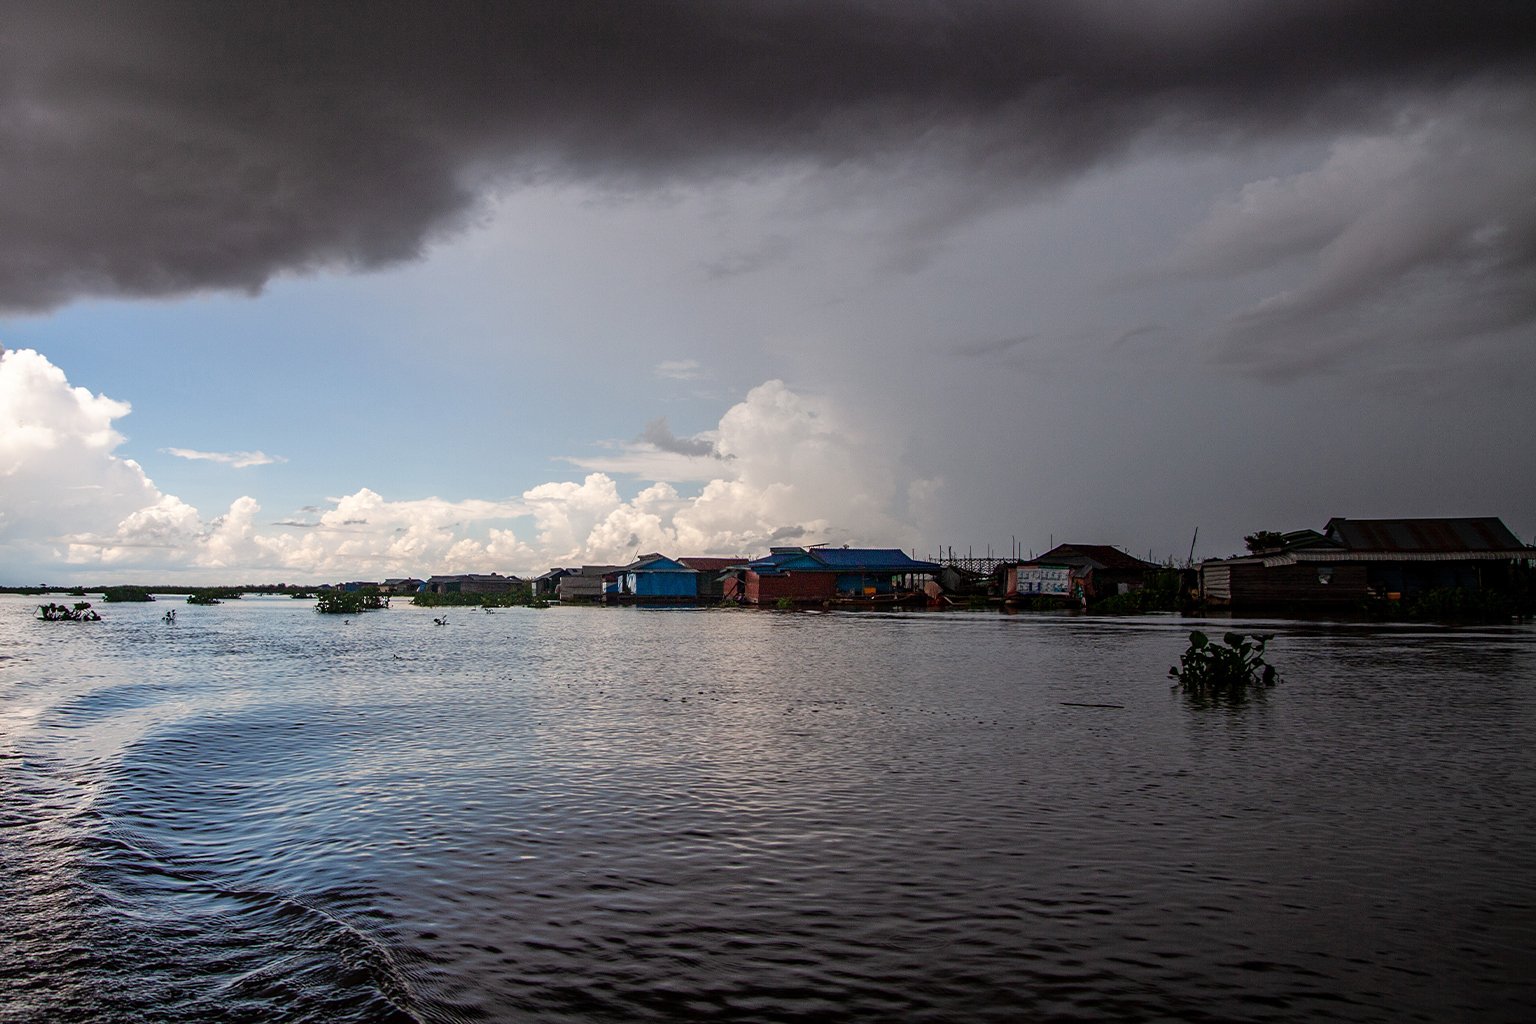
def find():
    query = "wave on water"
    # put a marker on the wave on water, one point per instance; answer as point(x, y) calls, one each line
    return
point(120, 906)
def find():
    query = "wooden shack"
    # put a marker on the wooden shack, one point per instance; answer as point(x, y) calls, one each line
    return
point(1356, 561)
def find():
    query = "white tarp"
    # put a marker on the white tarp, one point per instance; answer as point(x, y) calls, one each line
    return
point(1050, 580)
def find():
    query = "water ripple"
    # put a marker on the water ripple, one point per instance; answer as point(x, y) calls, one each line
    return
point(590, 815)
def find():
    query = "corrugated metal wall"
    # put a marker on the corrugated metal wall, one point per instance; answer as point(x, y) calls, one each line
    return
point(1253, 585)
point(663, 584)
point(796, 586)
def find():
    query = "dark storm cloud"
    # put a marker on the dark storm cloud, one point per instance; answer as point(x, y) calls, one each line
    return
point(1405, 244)
point(157, 148)
point(658, 434)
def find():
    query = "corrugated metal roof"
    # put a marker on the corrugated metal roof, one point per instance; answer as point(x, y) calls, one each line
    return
point(1106, 556)
point(856, 557)
point(655, 562)
point(882, 560)
point(1487, 533)
point(711, 564)
point(593, 571)
point(1323, 555)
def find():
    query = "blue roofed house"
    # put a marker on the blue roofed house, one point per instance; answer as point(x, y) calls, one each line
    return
point(822, 574)
point(652, 579)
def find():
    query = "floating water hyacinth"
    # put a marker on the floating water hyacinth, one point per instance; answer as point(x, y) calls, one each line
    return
point(1208, 669)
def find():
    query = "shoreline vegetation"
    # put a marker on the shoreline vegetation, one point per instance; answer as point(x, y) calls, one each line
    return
point(514, 599)
point(1162, 595)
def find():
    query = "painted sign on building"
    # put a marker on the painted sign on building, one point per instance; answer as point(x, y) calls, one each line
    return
point(1048, 580)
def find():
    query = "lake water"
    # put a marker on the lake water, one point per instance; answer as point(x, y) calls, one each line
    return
point(579, 814)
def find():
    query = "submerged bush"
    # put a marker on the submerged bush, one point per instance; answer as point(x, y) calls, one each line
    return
point(349, 602)
point(1161, 592)
point(126, 594)
point(1206, 669)
point(507, 599)
point(1460, 604)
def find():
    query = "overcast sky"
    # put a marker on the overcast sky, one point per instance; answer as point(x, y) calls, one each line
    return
point(323, 291)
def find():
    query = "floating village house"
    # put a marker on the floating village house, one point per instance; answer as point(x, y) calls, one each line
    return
point(819, 574)
point(1076, 572)
point(473, 583)
point(583, 584)
point(653, 578)
point(547, 585)
point(1355, 561)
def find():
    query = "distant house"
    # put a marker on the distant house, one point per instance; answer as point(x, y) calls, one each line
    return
point(1075, 572)
point(400, 585)
point(715, 582)
point(583, 584)
point(1357, 560)
point(821, 574)
point(473, 583)
point(546, 585)
point(352, 586)
point(1039, 578)
point(652, 578)
point(1104, 570)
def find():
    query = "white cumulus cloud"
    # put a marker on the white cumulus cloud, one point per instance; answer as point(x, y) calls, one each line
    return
point(58, 473)
point(788, 469)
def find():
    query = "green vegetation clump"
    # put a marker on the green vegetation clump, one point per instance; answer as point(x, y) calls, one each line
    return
point(1160, 593)
point(1209, 670)
point(113, 594)
point(1457, 604)
point(1264, 540)
point(512, 599)
point(213, 595)
point(349, 602)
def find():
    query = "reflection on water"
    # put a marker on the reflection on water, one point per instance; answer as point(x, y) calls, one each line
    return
point(612, 815)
